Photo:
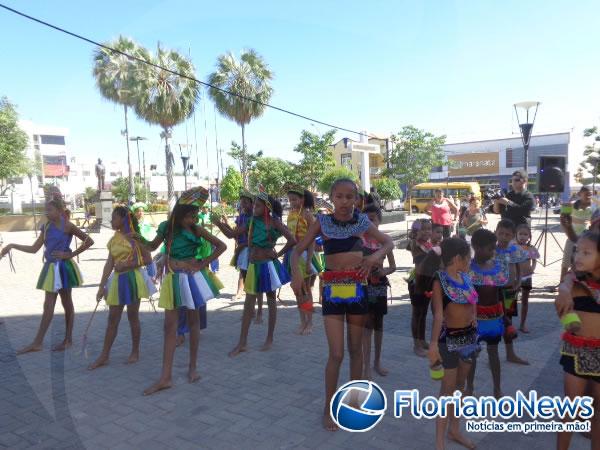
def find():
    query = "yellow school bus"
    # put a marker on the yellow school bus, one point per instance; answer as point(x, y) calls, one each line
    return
point(421, 194)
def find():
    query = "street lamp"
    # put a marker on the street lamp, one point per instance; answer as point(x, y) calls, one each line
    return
point(526, 126)
point(125, 134)
point(137, 140)
point(185, 159)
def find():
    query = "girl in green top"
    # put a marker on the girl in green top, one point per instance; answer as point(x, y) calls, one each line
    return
point(265, 273)
point(188, 283)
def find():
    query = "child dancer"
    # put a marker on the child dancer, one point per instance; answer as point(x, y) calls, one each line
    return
point(454, 335)
point(346, 269)
point(299, 219)
point(580, 352)
point(59, 274)
point(377, 290)
point(188, 283)
point(126, 286)
point(512, 255)
point(240, 233)
point(489, 275)
point(419, 246)
point(265, 273)
point(437, 235)
point(526, 268)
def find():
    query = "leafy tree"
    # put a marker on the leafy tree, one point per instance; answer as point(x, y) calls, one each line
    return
point(120, 190)
point(243, 158)
point(272, 174)
point(167, 99)
point(118, 80)
point(231, 185)
point(591, 155)
point(317, 157)
point(13, 145)
point(415, 152)
point(248, 78)
point(388, 189)
point(329, 177)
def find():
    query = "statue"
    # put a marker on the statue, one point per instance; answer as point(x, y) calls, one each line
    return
point(100, 172)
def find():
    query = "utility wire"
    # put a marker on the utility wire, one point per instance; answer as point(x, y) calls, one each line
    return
point(143, 61)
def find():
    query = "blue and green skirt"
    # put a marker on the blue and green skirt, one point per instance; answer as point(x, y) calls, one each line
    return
point(62, 274)
point(129, 287)
point(265, 276)
point(188, 290)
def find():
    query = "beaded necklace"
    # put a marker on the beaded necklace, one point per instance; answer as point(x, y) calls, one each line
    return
point(494, 276)
point(337, 229)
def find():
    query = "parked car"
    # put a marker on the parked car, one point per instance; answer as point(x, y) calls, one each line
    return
point(393, 205)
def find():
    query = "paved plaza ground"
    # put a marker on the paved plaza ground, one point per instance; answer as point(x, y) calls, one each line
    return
point(257, 400)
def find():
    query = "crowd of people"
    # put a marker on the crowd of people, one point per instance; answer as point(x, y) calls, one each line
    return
point(471, 278)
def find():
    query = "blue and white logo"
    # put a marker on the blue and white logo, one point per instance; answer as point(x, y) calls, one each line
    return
point(358, 406)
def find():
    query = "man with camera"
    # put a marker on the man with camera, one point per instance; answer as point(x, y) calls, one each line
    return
point(518, 203)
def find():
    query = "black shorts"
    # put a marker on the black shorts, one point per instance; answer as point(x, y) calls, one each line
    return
point(451, 359)
point(527, 284)
point(378, 307)
point(417, 299)
point(568, 364)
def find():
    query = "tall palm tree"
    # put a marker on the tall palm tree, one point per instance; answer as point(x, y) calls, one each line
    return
point(167, 99)
point(249, 77)
point(117, 78)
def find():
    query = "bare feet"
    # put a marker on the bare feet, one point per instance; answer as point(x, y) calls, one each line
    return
point(367, 375)
point(238, 296)
point(328, 423)
point(498, 394)
point(30, 349)
point(523, 329)
point(180, 340)
point(133, 358)
point(237, 350)
point(193, 376)
point(258, 319)
point(266, 346)
point(380, 370)
point(160, 385)
point(62, 346)
point(300, 329)
point(307, 329)
point(469, 391)
point(460, 439)
point(101, 361)
point(515, 359)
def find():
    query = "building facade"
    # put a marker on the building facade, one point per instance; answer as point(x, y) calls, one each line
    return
point(344, 157)
point(492, 162)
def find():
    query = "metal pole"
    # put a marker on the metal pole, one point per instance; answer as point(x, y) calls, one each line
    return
point(137, 143)
point(33, 206)
point(145, 186)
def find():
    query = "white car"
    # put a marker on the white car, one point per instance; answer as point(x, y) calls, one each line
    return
point(393, 205)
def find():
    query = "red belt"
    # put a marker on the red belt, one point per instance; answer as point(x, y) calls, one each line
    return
point(496, 309)
point(580, 341)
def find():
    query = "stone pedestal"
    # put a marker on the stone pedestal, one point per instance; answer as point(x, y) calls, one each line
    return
point(104, 209)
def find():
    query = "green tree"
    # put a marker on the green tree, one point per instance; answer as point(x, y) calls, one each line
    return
point(244, 158)
point(231, 185)
point(167, 99)
point(329, 177)
point(273, 174)
point(247, 78)
point(415, 152)
point(120, 190)
point(591, 155)
point(13, 145)
point(317, 157)
point(118, 80)
point(388, 189)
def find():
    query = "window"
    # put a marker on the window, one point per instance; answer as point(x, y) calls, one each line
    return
point(73, 173)
point(346, 160)
point(113, 174)
point(86, 173)
point(422, 193)
point(50, 139)
point(36, 139)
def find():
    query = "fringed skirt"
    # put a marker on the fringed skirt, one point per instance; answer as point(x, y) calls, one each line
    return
point(265, 276)
point(306, 272)
point(62, 274)
point(129, 287)
point(241, 258)
point(188, 290)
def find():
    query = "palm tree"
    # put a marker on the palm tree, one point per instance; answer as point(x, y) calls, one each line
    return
point(167, 99)
point(248, 77)
point(117, 78)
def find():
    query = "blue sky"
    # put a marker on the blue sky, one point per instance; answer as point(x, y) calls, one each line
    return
point(451, 67)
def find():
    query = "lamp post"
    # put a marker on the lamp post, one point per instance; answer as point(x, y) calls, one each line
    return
point(185, 159)
point(137, 140)
point(125, 134)
point(526, 125)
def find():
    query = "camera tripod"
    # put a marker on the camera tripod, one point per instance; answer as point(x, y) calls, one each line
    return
point(543, 239)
